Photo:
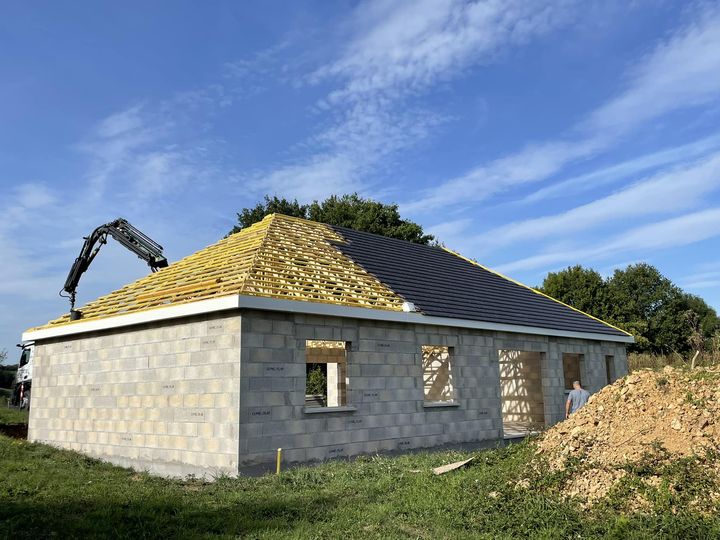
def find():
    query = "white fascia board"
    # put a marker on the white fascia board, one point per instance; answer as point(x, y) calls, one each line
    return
point(294, 306)
point(158, 314)
point(332, 310)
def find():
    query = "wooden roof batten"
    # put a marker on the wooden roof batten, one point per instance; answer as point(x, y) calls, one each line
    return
point(279, 257)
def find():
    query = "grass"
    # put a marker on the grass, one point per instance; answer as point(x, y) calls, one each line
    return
point(9, 416)
point(659, 361)
point(49, 492)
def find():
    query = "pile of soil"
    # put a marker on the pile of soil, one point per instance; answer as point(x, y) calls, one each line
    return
point(672, 413)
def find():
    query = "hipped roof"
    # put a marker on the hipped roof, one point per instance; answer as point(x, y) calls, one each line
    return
point(288, 258)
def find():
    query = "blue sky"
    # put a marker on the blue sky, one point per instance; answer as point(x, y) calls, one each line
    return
point(529, 135)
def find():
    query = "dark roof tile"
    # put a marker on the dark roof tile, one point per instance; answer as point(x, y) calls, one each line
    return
point(443, 284)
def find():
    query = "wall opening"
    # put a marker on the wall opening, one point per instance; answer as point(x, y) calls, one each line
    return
point(523, 404)
point(325, 373)
point(610, 369)
point(571, 369)
point(437, 374)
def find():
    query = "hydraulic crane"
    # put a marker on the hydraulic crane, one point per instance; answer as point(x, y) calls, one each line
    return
point(143, 246)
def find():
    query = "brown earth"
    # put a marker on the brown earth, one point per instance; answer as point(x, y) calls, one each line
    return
point(16, 431)
point(667, 414)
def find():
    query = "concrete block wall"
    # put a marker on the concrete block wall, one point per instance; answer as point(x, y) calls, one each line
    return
point(592, 370)
point(385, 390)
point(162, 397)
point(386, 408)
point(206, 395)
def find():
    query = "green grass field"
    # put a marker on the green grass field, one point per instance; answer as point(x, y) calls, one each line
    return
point(48, 492)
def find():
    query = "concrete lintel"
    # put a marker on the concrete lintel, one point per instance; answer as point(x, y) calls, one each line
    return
point(326, 410)
point(440, 404)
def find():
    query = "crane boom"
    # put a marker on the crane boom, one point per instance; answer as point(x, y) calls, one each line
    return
point(128, 236)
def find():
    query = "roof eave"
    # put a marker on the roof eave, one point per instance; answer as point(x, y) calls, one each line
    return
point(234, 302)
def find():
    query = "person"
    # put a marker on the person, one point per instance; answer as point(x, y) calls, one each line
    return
point(577, 398)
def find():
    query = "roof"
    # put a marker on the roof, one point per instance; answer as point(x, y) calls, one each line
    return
point(442, 283)
point(278, 257)
point(287, 258)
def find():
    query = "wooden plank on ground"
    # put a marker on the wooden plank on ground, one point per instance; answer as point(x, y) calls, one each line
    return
point(452, 466)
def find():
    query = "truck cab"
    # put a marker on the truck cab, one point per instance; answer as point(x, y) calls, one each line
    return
point(23, 378)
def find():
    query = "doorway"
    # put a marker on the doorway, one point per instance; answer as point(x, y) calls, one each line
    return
point(523, 404)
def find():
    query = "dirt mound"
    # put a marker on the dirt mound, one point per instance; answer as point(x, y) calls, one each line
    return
point(670, 413)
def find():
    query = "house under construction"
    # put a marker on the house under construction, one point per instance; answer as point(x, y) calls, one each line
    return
point(320, 340)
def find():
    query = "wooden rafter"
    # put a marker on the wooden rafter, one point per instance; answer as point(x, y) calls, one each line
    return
point(279, 257)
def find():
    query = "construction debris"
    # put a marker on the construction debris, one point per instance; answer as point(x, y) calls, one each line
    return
point(452, 466)
point(670, 413)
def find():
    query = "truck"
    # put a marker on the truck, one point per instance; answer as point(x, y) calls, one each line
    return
point(23, 378)
point(129, 237)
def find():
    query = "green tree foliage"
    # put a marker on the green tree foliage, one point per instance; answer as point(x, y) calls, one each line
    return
point(316, 382)
point(582, 288)
point(642, 301)
point(351, 211)
point(7, 372)
point(274, 205)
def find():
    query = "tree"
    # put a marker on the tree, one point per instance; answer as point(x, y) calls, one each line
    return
point(650, 306)
point(7, 373)
point(640, 300)
point(581, 288)
point(274, 205)
point(316, 384)
point(709, 323)
point(351, 211)
point(639, 291)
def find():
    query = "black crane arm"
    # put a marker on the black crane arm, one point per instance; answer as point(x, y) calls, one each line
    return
point(143, 246)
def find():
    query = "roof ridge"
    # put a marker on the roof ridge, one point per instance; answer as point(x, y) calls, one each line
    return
point(516, 282)
point(270, 221)
point(391, 238)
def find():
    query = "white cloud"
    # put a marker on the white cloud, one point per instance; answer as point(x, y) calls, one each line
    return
point(705, 276)
point(397, 49)
point(313, 179)
point(401, 46)
point(121, 122)
point(449, 228)
point(134, 155)
point(115, 145)
point(707, 284)
point(139, 163)
point(625, 169)
point(679, 73)
point(366, 135)
point(23, 272)
point(679, 231)
point(666, 192)
point(131, 168)
point(532, 164)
